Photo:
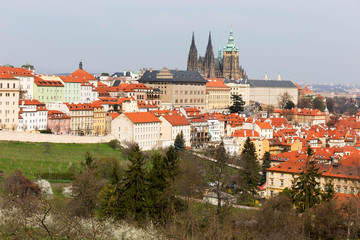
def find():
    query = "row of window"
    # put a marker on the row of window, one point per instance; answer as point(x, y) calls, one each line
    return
point(190, 100)
point(8, 85)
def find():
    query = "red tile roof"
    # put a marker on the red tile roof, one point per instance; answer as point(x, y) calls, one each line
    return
point(176, 119)
point(81, 73)
point(142, 117)
point(47, 83)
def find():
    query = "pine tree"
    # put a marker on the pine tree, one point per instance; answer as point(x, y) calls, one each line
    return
point(179, 143)
point(250, 172)
point(171, 161)
point(135, 184)
point(265, 165)
point(305, 190)
point(238, 104)
point(127, 196)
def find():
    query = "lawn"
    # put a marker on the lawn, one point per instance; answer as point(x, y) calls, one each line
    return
point(33, 158)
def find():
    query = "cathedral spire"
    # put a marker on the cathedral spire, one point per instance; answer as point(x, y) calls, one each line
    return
point(230, 47)
point(192, 57)
point(209, 62)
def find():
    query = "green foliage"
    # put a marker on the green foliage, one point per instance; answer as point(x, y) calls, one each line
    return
point(139, 193)
point(89, 160)
point(250, 172)
point(238, 104)
point(318, 103)
point(289, 105)
point(305, 190)
point(115, 144)
point(179, 143)
point(265, 165)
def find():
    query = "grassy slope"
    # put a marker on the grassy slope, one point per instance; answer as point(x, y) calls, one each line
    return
point(32, 158)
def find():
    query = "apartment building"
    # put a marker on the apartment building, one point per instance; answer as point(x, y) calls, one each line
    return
point(99, 120)
point(58, 122)
point(82, 116)
point(218, 94)
point(9, 101)
point(26, 80)
point(171, 126)
point(33, 115)
point(137, 127)
point(48, 91)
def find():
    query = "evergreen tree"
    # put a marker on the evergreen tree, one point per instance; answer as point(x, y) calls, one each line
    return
point(135, 184)
point(305, 190)
point(265, 165)
point(250, 172)
point(127, 196)
point(179, 143)
point(161, 177)
point(238, 104)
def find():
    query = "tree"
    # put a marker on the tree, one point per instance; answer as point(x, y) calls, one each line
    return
point(116, 107)
point(318, 103)
point(250, 172)
point(329, 192)
point(85, 190)
point(304, 102)
point(238, 104)
point(219, 173)
point(330, 103)
point(265, 165)
point(179, 143)
point(127, 196)
point(305, 190)
point(161, 177)
point(16, 185)
point(289, 105)
point(283, 99)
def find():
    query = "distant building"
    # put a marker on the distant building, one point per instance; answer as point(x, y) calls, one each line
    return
point(171, 126)
point(218, 94)
point(268, 92)
point(179, 88)
point(58, 122)
point(33, 115)
point(226, 66)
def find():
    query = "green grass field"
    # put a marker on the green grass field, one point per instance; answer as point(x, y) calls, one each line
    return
point(34, 158)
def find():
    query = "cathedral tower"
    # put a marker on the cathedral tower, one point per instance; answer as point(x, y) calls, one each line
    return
point(209, 63)
point(192, 58)
point(231, 66)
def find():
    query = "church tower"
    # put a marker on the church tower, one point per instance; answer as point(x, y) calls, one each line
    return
point(192, 58)
point(209, 64)
point(231, 66)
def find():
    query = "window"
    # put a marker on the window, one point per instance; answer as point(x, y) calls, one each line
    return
point(271, 181)
point(281, 183)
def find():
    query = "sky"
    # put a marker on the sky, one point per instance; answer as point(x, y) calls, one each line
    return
point(305, 41)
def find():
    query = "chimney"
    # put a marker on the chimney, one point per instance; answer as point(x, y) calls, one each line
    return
point(150, 70)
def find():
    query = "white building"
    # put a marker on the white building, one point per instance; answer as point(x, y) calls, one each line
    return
point(214, 129)
point(171, 126)
point(9, 100)
point(32, 116)
point(239, 88)
point(26, 80)
point(264, 129)
point(137, 127)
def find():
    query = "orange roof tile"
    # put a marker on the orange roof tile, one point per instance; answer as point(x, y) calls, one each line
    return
point(176, 119)
point(142, 117)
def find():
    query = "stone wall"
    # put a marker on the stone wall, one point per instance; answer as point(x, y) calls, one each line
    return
point(38, 137)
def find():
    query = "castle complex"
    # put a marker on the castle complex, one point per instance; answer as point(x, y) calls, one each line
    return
point(225, 66)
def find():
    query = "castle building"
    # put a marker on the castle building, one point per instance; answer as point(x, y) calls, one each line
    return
point(226, 66)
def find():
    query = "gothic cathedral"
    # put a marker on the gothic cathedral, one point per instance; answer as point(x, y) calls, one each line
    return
point(226, 66)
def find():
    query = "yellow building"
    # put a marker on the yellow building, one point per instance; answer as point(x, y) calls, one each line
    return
point(261, 146)
point(218, 94)
point(99, 120)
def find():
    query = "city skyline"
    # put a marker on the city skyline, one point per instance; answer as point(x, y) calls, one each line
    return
point(304, 42)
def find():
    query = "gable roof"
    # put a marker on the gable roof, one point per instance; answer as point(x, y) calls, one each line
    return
point(176, 120)
point(142, 117)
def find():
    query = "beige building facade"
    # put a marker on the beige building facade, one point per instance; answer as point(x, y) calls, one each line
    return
point(179, 88)
point(9, 102)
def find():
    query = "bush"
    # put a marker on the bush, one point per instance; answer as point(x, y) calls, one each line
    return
point(17, 185)
point(63, 175)
point(115, 144)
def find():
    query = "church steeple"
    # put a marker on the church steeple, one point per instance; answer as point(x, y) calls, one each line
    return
point(219, 51)
point(80, 65)
point(230, 47)
point(209, 60)
point(192, 57)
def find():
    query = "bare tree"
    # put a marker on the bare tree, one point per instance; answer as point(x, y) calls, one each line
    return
point(283, 99)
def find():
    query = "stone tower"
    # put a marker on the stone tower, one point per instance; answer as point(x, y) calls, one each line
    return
point(231, 66)
point(192, 58)
point(209, 63)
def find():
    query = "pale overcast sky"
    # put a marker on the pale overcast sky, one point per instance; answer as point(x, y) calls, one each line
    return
point(306, 41)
